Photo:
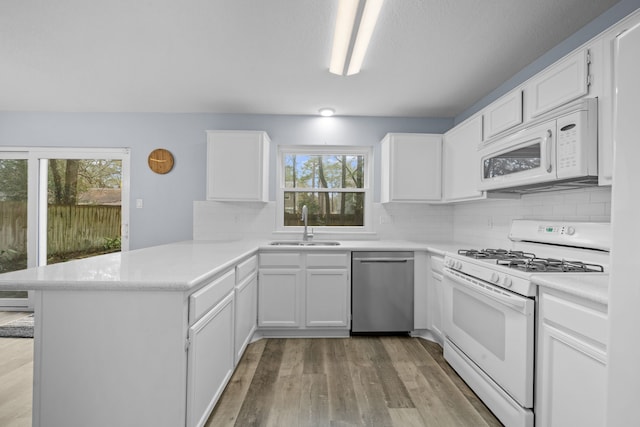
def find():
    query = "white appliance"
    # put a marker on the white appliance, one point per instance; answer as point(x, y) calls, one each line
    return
point(490, 305)
point(558, 150)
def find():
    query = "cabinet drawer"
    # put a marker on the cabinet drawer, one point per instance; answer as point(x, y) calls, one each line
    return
point(206, 298)
point(280, 260)
point(327, 260)
point(245, 268)
point(579, 318)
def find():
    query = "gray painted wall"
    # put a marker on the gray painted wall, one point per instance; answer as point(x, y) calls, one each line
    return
point(167, 215)
point(586, 33)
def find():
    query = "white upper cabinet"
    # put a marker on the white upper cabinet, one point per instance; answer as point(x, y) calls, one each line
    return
point(238, 166)
point(618, 62)
point(461, 163)
point(564, 81)
point(503, 114)
point(411, 167)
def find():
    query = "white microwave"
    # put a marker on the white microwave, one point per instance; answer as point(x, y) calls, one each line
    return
point(558, 151)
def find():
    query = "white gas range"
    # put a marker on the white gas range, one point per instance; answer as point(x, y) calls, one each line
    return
point(490, 305)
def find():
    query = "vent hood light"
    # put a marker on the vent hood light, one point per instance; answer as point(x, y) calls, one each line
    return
point(348, 50)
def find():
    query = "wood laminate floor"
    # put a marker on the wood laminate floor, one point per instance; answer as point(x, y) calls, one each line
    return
point(357, 381)
point(16, 376)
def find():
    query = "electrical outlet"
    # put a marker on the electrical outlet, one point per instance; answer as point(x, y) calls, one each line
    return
point(139, 204)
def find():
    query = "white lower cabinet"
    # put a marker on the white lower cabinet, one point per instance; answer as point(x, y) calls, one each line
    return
point(279, 294)
point(326, 298)
point(436, 297)
point(246, 313)
point(210, 360)
point(302, 290)
point(571, 362)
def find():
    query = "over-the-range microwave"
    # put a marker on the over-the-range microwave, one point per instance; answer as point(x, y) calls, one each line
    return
point(558, 151)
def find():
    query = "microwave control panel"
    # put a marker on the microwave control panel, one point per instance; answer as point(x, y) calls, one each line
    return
point(574, 140)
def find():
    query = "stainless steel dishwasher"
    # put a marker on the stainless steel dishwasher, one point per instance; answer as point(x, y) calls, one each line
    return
point(381, 292)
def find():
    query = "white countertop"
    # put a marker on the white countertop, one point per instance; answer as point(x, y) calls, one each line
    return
point(174, 267)
point(590, 286)
point(184, 266)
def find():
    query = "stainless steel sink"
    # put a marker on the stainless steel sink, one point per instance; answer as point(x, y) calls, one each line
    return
point(302, 243)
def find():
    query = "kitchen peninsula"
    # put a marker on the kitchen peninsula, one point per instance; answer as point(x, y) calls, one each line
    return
point(128, 338)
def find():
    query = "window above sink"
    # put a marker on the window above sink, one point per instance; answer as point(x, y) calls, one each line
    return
point(332, 181)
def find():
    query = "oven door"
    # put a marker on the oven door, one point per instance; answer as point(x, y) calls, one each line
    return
point(494, 328)
point(524, 158)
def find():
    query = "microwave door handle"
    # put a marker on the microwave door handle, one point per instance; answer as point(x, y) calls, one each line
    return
point(547, 143)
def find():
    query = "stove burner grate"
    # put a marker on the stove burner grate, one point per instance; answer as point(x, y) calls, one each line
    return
point(498, 254)
point(529, 262)
point(552, 265)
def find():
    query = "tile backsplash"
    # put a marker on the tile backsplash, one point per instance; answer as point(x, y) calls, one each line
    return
point(486, 223)
point(483, 223)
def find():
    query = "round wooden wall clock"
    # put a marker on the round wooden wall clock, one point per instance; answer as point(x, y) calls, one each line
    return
point(160, 161)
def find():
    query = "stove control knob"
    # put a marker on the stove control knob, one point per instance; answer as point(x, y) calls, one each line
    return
point(495, 277)
point(459, 265)
point(507, 281)
point(571, 231)
point(448, 262)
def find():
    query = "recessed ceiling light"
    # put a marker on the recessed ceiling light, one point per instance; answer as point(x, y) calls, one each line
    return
point(327, 112)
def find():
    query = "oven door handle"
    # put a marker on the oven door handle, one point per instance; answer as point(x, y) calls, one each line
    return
point(514, 302)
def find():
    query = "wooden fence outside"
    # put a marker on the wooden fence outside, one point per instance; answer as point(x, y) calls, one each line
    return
point(70, 229)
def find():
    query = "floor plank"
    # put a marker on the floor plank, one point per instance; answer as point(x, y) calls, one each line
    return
point(356, 381)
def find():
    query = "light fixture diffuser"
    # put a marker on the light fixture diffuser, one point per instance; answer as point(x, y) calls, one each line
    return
point(348, 49)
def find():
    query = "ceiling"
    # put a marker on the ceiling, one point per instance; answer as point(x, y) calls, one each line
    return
point(427, 58)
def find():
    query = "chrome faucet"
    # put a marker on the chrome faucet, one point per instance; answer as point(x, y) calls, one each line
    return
point(306, 236)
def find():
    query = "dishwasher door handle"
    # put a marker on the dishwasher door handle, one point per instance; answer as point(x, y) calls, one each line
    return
point(375, 260)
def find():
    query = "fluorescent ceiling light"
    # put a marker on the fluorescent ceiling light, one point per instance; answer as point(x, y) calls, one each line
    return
point(343, 35)
point(365, 30)
point(345, 21)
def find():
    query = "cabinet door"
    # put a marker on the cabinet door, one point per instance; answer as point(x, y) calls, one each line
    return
point(210, 361)
point(461, 168)
point(237, 166)
point(562, 82)
point(436, 304)
point(279, 293)
point(503, 114)
point(571, 362)
point(572, 381)
point(246, 313)
point(327, 296)
point(411, 168)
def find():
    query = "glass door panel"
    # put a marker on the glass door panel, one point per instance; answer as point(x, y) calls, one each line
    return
point(13, 222)
point(84, 208)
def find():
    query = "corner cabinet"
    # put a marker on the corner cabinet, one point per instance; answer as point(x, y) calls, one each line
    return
point(238, 166)
point(246, 313)
point(571, 361)
point(461, 162)
point(411, 167)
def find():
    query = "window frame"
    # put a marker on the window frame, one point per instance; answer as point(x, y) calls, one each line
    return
point(351, 150)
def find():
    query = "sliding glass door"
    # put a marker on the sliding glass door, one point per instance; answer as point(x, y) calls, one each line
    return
point(60, 204)
point(14, 222)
